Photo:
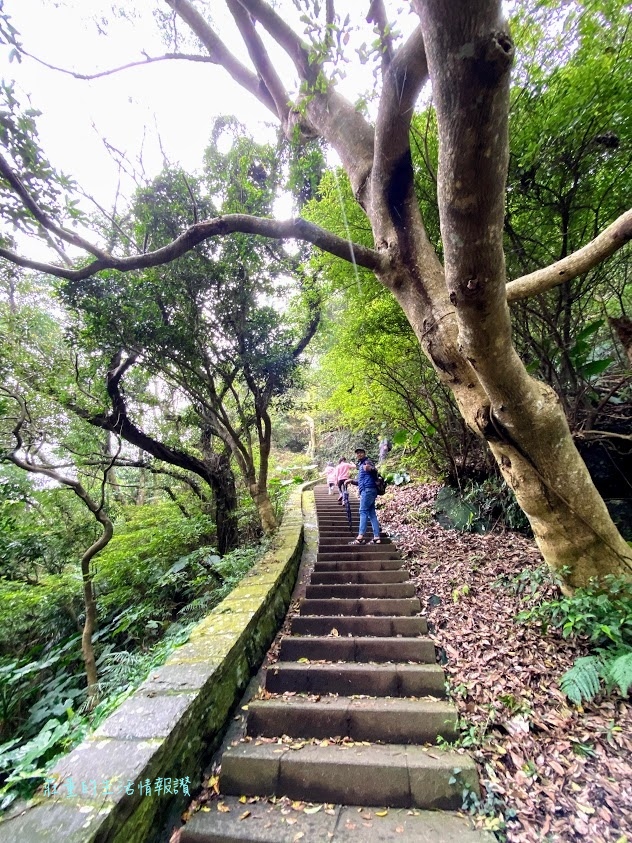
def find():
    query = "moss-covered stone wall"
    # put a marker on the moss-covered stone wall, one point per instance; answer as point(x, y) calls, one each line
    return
point(134, 771)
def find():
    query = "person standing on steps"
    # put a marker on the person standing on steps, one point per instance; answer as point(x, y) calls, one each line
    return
point(330, 472)
point(342, 474)
point(367, 488)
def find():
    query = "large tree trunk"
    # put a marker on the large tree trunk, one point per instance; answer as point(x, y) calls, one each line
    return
point(222, 482)
point(520, 418)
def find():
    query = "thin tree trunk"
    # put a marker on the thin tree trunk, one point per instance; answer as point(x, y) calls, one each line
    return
point(87, 646)
point(265, 510)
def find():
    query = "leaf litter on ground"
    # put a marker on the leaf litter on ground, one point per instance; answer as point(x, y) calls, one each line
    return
point(549, 770)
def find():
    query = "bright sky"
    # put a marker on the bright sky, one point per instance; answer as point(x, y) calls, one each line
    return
point(166, 106)
point(174, 101)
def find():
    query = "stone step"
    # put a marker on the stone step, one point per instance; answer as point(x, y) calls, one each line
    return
point(366, 577)
point(361, 565)
point(336, 540)
point(366, 606)
point(360, 590)
point(396, 775)
point(321, 625)
point(386, 720)
point(356, 554)
point(341, 549)
point(277, 823)
point(384, 680)
point(362, 649)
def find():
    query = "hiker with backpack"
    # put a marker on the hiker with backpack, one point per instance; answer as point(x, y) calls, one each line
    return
point(368, 488)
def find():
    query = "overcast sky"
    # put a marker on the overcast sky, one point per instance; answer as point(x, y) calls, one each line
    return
point(176, 101)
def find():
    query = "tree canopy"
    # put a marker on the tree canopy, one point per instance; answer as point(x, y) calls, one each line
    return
point(555, 222)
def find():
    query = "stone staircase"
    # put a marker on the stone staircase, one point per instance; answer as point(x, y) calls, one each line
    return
point(359, 694)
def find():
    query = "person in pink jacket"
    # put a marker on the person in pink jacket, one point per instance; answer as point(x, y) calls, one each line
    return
point(342, 473)
point(330, 472)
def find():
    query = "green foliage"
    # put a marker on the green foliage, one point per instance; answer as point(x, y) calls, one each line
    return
point(601, 615)
point(52, 190)
point(371, 370)
point(582, 681)
point(569, 177)
point(495, 504)
point(154, 582)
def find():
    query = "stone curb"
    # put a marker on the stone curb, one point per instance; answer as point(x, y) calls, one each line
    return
point(162, 736)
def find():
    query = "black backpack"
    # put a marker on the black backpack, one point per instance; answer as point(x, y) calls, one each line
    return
point(380, 483)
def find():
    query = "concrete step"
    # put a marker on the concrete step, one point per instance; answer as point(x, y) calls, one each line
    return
point(365, 577)
point(386, 720)
point(321, 625)
point(360, 591)
point(361, 565)
point(340, 540)
point(384, 680)
point(265, 822)
point(344, 547)
point(356, 553)
point(361, 649)
point(367, 606)
point(397, 775)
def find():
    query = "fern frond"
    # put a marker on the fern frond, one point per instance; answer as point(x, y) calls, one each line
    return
point(582, 681)
point(619, 672)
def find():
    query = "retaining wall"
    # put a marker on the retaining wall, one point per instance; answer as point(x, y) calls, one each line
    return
point(122, 783)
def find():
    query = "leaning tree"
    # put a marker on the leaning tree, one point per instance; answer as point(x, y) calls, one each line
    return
point(458, 306)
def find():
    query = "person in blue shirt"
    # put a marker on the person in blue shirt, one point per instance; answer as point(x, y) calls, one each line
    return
point(368, 493)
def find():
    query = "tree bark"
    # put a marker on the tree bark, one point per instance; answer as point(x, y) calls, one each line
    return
point(521, 418)
point(90, 603)
point(265, 510)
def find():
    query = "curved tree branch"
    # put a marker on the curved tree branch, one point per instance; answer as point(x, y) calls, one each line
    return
point(42, 218)
point(603, 246)
point(140, 63)
point(292, 229)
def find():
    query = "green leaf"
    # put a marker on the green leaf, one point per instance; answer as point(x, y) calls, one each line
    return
point(582, 681)
point(620, 672)
point(588, 331)
point(595, 367)
point(400, 437)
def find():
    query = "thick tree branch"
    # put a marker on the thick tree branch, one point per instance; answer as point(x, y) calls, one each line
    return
point(260, 59)
point(603, 246)
point(392, 176)
point(469, 60)
point(285, 37)
point(220, 54)
point(293, 229)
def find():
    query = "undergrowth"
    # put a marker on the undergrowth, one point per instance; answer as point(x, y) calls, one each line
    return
point(600, 615)
point(44, 708)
